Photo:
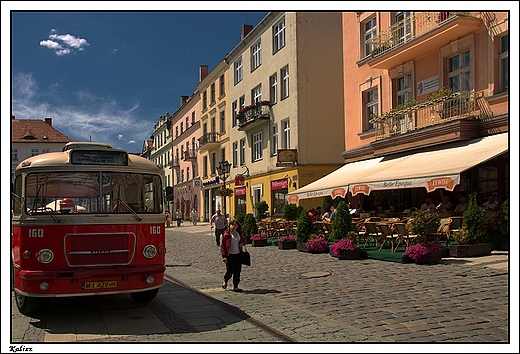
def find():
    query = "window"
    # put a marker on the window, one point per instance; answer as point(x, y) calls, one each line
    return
point(274, 140)
point(235, 154)
point(403, 86)
point(193, 145)
point(222, 122)
point(242, 102)
point(213, 125)
point(187, 173)
point(273, 88)
point(213, 163)
point(256, 57)
point(369, 32)
point(176, 131)
point(371, 107)
point(234, 112)
point(182, 130)
point(279, 200)
point(205, 166)
point(44, 151)
point(34, 152)
point(204, 100)
point(187, 124)
point(222, 85)
point(238, 71)
point(182, 176)
point(256, 94)
point(193, 118)
point(212, 94)
point(279, 36)
point(242, 151)
point(257, 146)
point(504, 63)
point(286, 134)
point(459, 72)
point(14, 155)
point(402, 22)
point(284, 74)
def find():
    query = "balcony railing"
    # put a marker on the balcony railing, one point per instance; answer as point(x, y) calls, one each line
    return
point(208, 138)
point(190, 155)
point(444, 109)
point(253, 115)
point(410, 28)
point(175, 163)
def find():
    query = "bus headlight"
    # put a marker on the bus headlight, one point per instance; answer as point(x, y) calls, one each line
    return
point(149, 251)
point(45, 256)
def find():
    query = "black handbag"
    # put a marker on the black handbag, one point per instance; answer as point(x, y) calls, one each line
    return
point(246, 257)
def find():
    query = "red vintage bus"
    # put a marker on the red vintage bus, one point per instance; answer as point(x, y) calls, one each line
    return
point(87, 221)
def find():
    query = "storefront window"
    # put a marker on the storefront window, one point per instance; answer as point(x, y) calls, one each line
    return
point(487, 182)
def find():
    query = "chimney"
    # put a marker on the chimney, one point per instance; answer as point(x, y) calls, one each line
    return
point(245, 30)
point(203, 72)
point(48, 121)
point(184, 99)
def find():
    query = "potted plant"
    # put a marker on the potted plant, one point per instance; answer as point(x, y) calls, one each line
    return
point(304, 229)
point(249, 226)
point(503, 225)
point(225, 192)
point(422, 223)
point(342, 223)
point(346, 248)
point(287, 242)
point(259, 240)
point(261, 209)
point(472, 237)
point(423, 253)
point(290, 212)
point(317, 245)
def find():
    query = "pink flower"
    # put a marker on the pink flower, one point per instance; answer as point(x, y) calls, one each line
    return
point(422, 249)
point(287, 238)
point(259, 237)
point(316, 244)
point(343, 244)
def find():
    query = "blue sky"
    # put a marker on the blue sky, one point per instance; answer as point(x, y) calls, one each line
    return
point(109, 76)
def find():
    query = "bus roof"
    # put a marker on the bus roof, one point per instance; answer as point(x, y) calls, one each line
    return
point(88, 144)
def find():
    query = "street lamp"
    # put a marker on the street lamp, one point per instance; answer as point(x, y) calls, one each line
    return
point(223, 169)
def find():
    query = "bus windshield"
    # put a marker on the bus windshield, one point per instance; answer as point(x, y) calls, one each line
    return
point(92, 192)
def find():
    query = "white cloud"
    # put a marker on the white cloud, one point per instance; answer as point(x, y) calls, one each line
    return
point(64, 44)
point(86, 117)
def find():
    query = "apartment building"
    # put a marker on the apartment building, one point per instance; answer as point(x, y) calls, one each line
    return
point(287, 106)
point(30, 137)
point(426, 109)
point(161, 153)
point(213, 140)
point(184, 128)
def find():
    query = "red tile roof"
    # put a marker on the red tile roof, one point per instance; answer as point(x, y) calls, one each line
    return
point(36, 131)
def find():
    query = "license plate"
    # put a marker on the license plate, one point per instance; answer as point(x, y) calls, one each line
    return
point(99, 285)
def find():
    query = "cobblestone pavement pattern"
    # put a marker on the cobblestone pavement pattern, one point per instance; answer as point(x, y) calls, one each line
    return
point(292, 296)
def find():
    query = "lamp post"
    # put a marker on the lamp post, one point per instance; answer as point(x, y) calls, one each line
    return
point(223, 169)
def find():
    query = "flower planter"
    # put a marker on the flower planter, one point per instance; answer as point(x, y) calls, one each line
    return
point(480, 249)
point(248, 239)
point(286, 245)
point(301, 246)
point(429, 258)
point(350, 254)
point(259, 243)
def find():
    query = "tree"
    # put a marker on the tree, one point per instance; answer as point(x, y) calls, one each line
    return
point(249, 227)
point(342, 222)
point(305, 227)
point(473, 221)
point(290, 211)
point(261, 209)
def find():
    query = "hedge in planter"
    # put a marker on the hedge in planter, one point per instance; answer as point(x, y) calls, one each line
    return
point(304, 229)
point(342, 223)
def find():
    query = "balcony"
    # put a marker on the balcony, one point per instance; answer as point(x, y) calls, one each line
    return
point(190, 155)
point(418, 34)
point(253, 115)
point(209, 141)
point(441, 119)
point(175, 163)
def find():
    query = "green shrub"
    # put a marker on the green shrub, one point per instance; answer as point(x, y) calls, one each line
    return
point(249, 225)
point(290, 211)
point(473, 221)
point(261, 209)
point(342, 222)
point(422, 222)
point(240, 217)
point(503, 219)
point(305, 227)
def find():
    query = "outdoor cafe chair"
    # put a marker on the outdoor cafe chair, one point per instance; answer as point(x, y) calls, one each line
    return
point(372, 233)
point(387, 235)
point(404, 235)
point(443, 232)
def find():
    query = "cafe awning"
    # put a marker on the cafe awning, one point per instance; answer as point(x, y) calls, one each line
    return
point(431, 168)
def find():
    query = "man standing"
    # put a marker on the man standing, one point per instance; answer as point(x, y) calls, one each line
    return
point(220, 225)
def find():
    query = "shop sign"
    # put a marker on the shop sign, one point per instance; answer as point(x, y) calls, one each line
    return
point(239, 191)
point(279, 184)
point(239, 180)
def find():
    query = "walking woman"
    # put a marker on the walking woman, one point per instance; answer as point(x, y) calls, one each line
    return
point(231, 250)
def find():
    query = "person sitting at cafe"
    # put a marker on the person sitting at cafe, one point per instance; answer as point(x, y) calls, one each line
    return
point(491, 203)
point(428, 205)
point(356, 210)
point(325, 216)
point(445, 205)
point(317, 213)
point(331, 215)
point(462, 206)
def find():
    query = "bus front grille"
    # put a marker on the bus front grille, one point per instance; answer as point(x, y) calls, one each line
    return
point(99, 249)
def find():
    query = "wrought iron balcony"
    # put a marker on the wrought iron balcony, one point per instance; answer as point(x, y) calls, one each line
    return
point(190, 155)
point(437, 110)
point(208, 141)
point(253, 115)
point(175, 163)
